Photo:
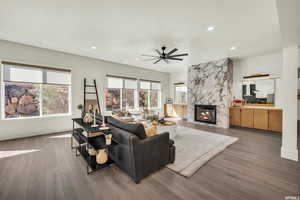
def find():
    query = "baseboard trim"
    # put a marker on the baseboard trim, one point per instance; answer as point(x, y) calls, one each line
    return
point(35, 134)
point(291, 154)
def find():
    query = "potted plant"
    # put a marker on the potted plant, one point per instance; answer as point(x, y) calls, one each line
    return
point(80, 107)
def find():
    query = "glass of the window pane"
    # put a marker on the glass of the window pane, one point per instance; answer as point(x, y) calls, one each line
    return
point(22, 100)
point(143, 98)
point(154, 98)
point(181, 94)
point(55, 99)
point(112, 98)
point(128, 98)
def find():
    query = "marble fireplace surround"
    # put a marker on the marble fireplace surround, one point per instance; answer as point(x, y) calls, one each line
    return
point(211, 84)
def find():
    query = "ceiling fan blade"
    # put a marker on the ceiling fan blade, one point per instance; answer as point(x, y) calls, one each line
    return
point(151, 56)
point(172, 51)
point(174, 58)
point(149, 59)
point(157, 61)
point(158, 52)
point(166, 61)
point(184, 54)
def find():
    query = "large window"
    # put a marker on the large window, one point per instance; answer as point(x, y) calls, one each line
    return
point(180, 93)
point(123, 93)
point(149, 94)
point(32, 91)
point(120, 93)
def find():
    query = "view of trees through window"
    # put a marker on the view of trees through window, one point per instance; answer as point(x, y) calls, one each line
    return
point(55, 99)
point(112, 96)
point(128, 98)
point(154, 98)
point(33, 100)
point(143, 98)
point(33, 91)
point(123, 93)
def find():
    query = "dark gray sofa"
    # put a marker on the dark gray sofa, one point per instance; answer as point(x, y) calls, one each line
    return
point(136, 154)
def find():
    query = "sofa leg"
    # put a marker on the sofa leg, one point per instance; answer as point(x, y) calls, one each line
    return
point(137, 181)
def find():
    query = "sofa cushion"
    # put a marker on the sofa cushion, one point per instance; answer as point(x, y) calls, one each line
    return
point(136, 129)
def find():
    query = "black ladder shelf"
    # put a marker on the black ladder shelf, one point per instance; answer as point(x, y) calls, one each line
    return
point(94, 92)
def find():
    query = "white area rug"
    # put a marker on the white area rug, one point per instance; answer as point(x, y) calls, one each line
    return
point(195, 147)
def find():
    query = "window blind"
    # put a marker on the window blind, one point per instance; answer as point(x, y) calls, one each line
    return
point(15, 72)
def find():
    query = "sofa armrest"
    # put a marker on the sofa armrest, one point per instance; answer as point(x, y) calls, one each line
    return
point(150, 154)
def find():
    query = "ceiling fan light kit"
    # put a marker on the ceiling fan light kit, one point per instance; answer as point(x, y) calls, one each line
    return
point(163, 56)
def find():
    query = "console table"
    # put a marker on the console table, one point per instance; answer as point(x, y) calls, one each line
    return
point(89, 137)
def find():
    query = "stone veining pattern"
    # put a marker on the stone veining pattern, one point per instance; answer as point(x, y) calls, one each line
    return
point(211, 84)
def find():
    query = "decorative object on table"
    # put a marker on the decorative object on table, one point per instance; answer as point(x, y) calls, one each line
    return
point(90, 89)
point(153, 118)
point(91, 151)
point(88, 118)
point(238, 102)
point(155, 123)
point(161, 121)
point(101, 156)
point(95, 109)
point(90, 108)
point(108, 139)
point(104, 114)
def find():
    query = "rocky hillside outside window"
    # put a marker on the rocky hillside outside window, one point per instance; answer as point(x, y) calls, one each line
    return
point(33, 91)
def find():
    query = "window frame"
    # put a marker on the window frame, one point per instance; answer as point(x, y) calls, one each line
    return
point(149, 96)
point(137, 92)
point(121, 90)
point(174, 89)
point(41, 116)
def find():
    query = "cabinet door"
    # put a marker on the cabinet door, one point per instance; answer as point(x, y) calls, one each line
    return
point(261, 119)
point(168, 110)
point(235, 116)
point(275, 120)
point(247, 117)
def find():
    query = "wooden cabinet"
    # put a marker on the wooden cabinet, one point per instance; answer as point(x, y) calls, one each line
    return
point(168, 110)
point(247, 117)
point(261, 119)
point(175, 110)
point(275, 120)
point(235, 116)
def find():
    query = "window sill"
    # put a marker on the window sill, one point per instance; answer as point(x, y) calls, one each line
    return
point(39, 117)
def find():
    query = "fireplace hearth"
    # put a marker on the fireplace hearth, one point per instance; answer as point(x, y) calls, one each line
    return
point(206, 113)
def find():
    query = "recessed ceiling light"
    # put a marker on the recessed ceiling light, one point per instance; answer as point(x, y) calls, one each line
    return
point(232, 48)
point(211, 28)
point(93, 47)
point(137, 59)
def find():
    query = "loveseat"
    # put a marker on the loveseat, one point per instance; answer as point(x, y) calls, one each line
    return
point(136, 154)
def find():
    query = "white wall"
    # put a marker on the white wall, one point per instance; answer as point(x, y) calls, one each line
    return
point(264, 64)
point(82, 67)
point(289, 148)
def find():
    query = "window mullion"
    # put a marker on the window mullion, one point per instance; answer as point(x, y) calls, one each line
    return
point(41, 101)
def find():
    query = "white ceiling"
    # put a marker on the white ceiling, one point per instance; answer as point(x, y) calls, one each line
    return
point(123, 30)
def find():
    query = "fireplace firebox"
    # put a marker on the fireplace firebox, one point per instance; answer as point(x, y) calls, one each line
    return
point(206, 113)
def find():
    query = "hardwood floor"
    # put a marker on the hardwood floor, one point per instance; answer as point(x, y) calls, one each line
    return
point(249, 169)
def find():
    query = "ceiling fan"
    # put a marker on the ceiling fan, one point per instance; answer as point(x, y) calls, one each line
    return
point(162, 55)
